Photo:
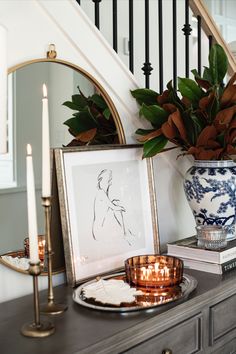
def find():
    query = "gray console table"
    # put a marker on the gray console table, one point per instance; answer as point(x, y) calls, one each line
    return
point(204, 323)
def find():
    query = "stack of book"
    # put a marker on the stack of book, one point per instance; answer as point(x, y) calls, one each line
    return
point(211, 261)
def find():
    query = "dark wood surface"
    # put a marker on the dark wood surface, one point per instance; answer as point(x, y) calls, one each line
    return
point(81, 330)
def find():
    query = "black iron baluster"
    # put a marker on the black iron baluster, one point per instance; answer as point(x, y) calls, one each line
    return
point(96, 13)
point(187, 32)
point(78, 1)
point(210, 38)
point(160, 27)
point(114, 8)
point(199, 43)
point(131, 36)
point(147, 68)
point(174, 45)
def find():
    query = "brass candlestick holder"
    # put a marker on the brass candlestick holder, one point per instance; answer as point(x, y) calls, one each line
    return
point(37, 329)
point(51, 308)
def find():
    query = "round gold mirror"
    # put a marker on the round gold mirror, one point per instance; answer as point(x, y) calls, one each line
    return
point(68, 86)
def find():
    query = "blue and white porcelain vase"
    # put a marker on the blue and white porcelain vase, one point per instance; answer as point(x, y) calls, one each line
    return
point(210, 188)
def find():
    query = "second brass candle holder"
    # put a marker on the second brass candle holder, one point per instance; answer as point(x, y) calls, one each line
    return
point(37, 329)
point(51, 308)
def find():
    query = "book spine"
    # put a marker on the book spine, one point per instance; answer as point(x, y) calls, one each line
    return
point(227, 266)
point(227, 255)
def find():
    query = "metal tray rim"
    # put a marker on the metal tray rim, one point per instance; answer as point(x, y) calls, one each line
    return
point(191, 285)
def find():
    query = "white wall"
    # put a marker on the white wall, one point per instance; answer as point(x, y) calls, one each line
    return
point(62, 23)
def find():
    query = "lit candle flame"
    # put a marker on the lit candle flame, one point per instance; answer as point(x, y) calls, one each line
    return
point(29, 149)
point(45, 92)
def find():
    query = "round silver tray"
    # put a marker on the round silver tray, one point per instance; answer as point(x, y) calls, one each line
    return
point(186, 287)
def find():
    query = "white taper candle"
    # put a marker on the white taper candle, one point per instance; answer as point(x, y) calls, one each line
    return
point(31, 207)
point(46, 172)
point(3, 90)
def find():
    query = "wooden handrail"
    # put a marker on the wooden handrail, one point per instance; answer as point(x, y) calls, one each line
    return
point(210, 28)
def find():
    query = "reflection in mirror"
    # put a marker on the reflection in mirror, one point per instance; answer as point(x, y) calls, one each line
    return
point(24, 126)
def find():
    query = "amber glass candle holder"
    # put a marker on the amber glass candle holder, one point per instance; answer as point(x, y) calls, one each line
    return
point(154, 272)
point(41, 247)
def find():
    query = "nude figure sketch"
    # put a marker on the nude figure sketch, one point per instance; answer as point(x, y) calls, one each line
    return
point(109, 213)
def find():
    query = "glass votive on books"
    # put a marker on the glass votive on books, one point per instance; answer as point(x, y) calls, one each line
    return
point(212, 237)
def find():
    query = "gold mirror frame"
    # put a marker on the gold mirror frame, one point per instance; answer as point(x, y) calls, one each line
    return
point(115, 115)
point(105, 95)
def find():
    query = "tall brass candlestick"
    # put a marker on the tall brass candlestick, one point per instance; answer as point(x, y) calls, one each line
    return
point(51, 308)
point(37, 328)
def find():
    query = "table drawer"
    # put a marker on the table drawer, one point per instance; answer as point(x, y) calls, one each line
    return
point(222, 318)
point(184, 338)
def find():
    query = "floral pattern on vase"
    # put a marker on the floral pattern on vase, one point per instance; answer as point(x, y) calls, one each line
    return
point(210, 188)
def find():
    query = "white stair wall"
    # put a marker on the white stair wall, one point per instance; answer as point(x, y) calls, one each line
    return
point(32, 26)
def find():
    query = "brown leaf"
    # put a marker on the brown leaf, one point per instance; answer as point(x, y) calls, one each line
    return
point(229, 96)
point(193, 150)
point(186, 102)
point(169, 107)
point(203, 83)
point(178, 121)
point(87, 136)
point(224, 117)
point(169, 130)
point(209, 154)
point(230, 149)
point(213, 144)
point(208, 133)
point(205, 154)
point(150, 135)
point(232, 80)
point(206, 101)
point(163, 98)
point(230, 135)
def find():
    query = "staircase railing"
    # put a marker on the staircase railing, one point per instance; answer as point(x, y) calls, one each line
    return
point(204, 22)
point(211, 30)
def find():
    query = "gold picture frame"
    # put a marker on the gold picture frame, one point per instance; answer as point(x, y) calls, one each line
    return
point(108, 208)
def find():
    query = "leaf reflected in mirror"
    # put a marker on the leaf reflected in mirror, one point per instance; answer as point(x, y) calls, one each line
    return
point(92, 122)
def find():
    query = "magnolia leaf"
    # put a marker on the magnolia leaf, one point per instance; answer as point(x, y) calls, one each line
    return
point(163, 98)
point(72, 105)
point(205, 101)
point(154, 146)
point(169, 130)
point(225, 116)
point(232, 80)
point(106, 113)
point(99, 101)
point(208, 133)
point(230, 149)
point(207, 75)
point(201, 82)
point(196, 127)
point(86, 136)
point(214, 108)
point(221, 139)
point(229, 96)
point(81, 123)
point(144, 131)
point(155, 133)
point(188, 88)
point(80, 101)
point(218, 63)
point(154, 114)
point(178, 122)
point(147, 96)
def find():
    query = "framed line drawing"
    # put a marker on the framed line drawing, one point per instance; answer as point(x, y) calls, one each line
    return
point(108, 208)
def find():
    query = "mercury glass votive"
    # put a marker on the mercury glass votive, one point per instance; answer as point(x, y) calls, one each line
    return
point(41, 247)
point(154, 271)
point(211, 237)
